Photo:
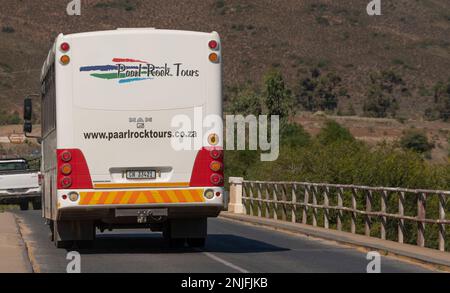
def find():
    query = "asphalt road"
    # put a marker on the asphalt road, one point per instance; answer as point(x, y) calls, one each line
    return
point(231, 247)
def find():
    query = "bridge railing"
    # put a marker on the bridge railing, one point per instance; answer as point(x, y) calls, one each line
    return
point(412, 216)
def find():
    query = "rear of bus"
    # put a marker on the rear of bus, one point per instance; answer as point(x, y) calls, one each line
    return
point(132, 146)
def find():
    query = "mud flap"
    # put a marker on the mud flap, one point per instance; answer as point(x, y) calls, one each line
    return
point(186, 228)
point(73, 230)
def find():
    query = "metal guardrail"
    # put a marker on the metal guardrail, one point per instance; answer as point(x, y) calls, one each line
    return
point(387, 213)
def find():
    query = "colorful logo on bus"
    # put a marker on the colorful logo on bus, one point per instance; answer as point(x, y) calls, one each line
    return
point(128, 70)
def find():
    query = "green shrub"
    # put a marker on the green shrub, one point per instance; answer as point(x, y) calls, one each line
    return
point(220, 3)
point(442, 100)
point(294, 136)
point(342, 162)
point(245, 102)
point(127, 5)
point(8, 29)
point(384, 90)
point(416, 141)
point(449, 148)
point(334, 132)
point(320, 92)
point(7, 118)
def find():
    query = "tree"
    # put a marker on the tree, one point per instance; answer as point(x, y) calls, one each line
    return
point(416, 141)
point(384, 90)
point(295, 136)
point(334, 132)
point(320, 92)
point(278, 97)
point(246, 102)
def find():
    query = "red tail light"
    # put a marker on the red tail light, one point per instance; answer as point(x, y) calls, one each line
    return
point(202, 173)
point(213, 45)
point(40, 179)
point(216, 153)
point(65, 47)
point(66, 156)
point(66, 182)
point(216, 179)
point(73, 171)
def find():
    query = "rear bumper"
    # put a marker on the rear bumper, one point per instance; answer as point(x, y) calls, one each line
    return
point(108, 214)
point(16, 198)
point(103, 204)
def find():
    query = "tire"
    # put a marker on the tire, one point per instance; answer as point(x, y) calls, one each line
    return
point(169, 241)
point(37, 205)
point(196, 242)
point(24, 205)
point(52, 231)
point(84, 244)
point(176, 242)
point(64, 244)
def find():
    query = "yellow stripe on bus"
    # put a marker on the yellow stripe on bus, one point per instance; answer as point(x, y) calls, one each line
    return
point(172, 196)
point(156, 196)
point(141, 197)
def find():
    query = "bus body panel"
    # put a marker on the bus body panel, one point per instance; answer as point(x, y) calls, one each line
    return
point(115, 102)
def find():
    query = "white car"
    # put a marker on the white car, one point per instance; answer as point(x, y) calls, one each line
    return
point(18, 184)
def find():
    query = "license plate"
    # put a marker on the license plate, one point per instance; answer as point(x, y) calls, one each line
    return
point(140, 174)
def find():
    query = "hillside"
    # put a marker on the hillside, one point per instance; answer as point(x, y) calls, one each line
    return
point(412, 37)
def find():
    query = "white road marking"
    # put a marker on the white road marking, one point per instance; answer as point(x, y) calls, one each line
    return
point(224, 262)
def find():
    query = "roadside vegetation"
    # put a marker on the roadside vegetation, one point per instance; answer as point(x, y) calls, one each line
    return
point(335, 156)
point(7, 118)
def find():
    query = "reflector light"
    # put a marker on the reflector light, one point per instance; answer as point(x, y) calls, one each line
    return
point(73, 196)
point(64, 197)
point(65, 59)
point(65, 47)
point(66, 182)
point(213, 139)
point(218, 193)
point(213, 57)
point(213, 45)
point(66, 156)
point(209, 194)
point(66, 169)
point(216, 179)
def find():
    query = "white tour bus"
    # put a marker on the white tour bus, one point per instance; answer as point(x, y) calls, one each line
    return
point(107, 102)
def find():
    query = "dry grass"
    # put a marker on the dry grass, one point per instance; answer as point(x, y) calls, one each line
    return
point(375, 131)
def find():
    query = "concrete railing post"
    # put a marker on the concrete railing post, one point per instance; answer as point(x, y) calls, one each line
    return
point(235, 205)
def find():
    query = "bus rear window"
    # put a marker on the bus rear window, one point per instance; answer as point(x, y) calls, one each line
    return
point(13, 166)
